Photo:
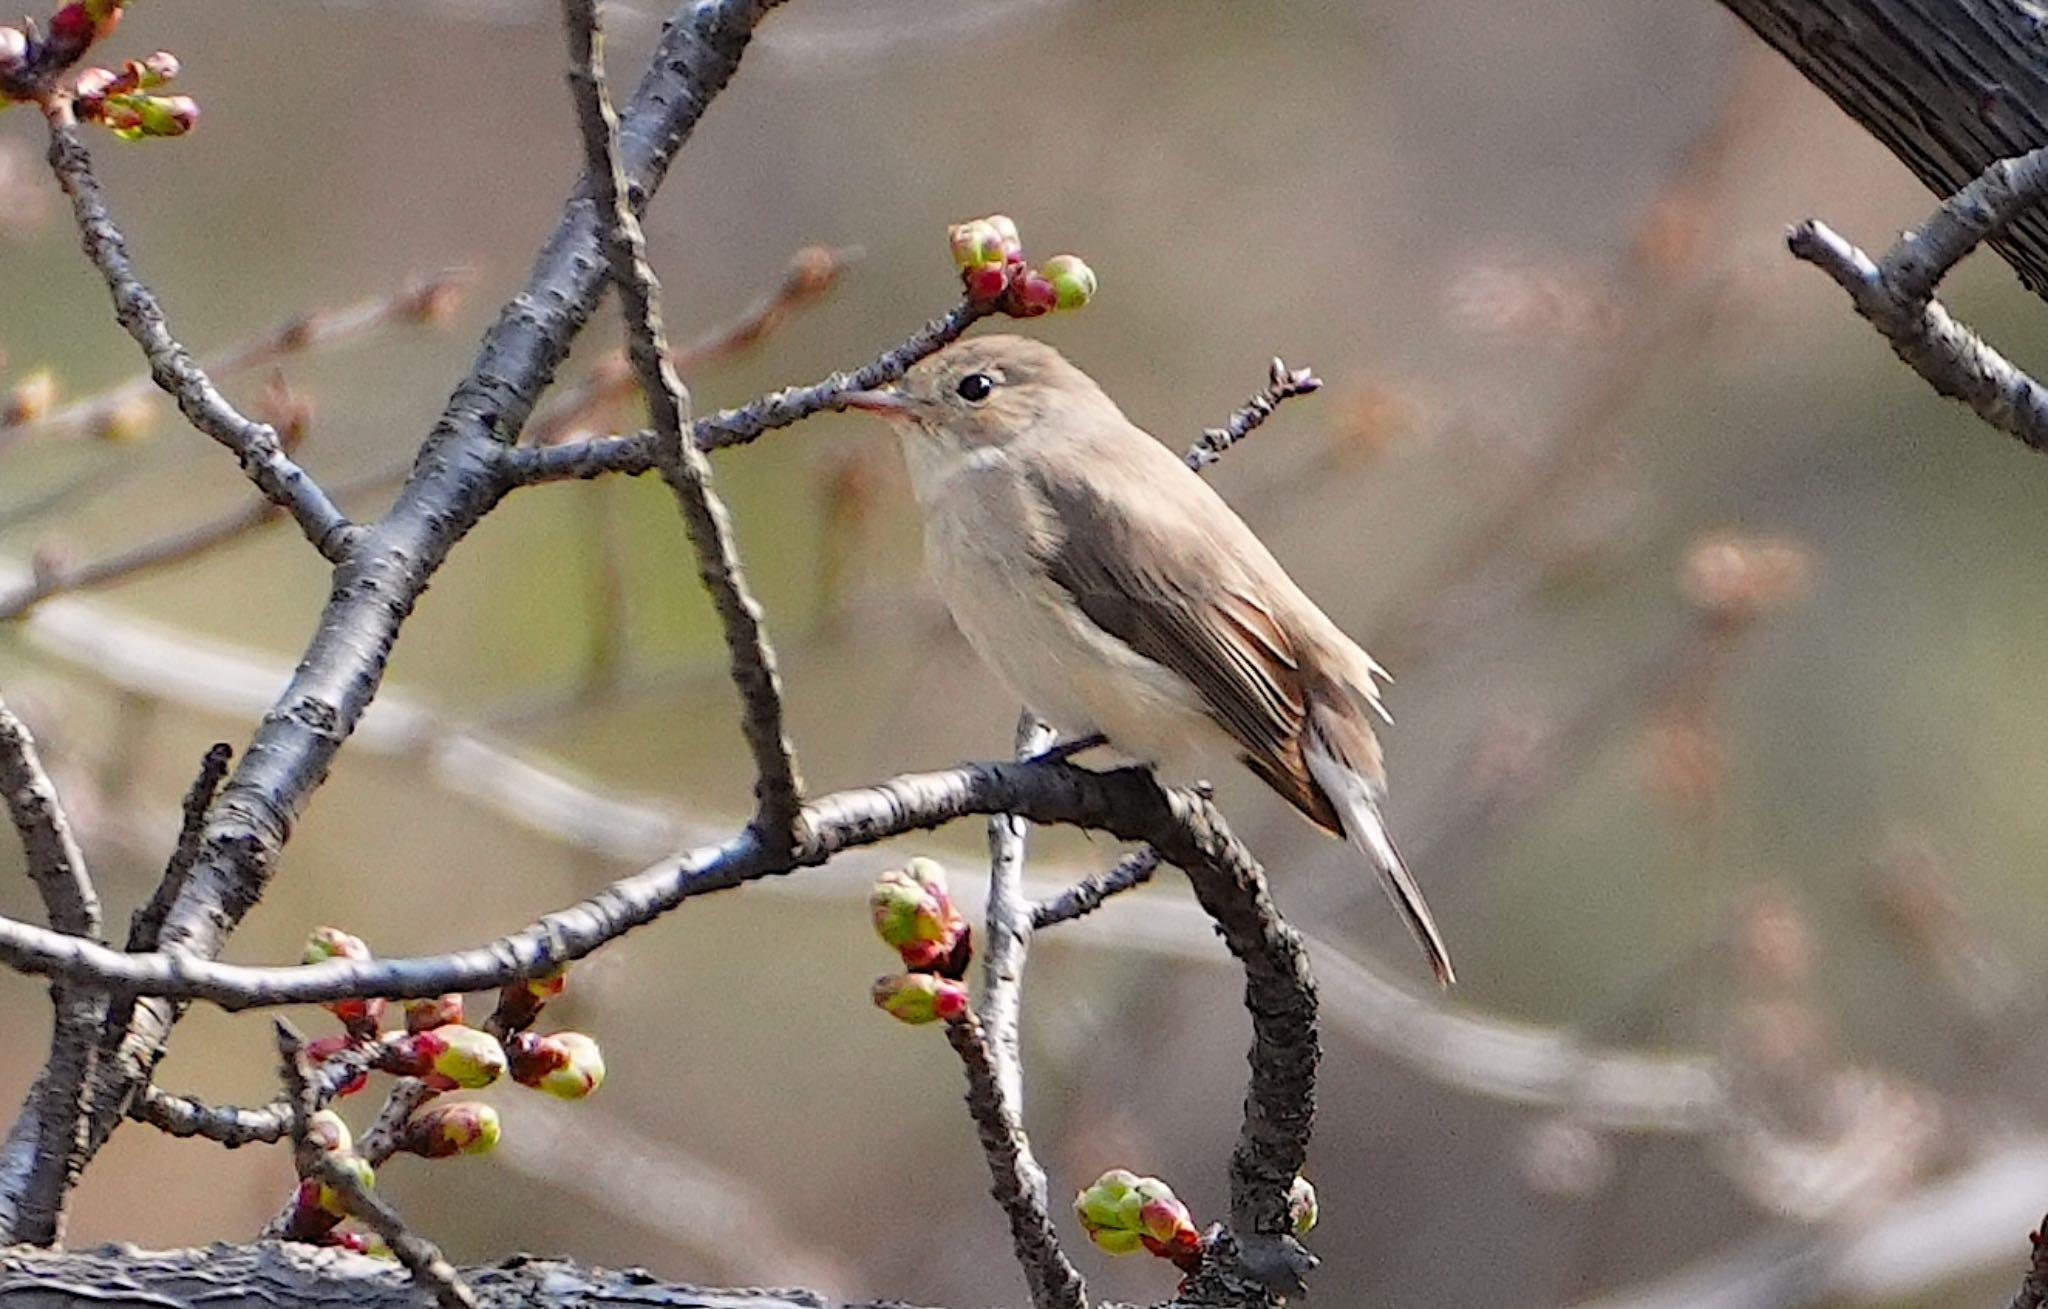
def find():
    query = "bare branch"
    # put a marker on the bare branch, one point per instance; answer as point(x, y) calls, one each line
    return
point(456, 480)
point(1282, 384)
point(1008, 938)
point(40, 1158)
point(149, 919)
point(1019, 1183)
point(778, 788)
point(812, 273)
point(234, 1126)
point(176, 547)
point(1086, 896)
point(421, 300)
point(1896, 295)
point(634, 453)
point(255, 444)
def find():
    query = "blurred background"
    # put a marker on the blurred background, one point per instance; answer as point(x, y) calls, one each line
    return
point(1718, 639)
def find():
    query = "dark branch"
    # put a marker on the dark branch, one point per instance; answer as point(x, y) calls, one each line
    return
point(1086, 896)
point(255, 444)
point(1282, 384)
point(1018, 1183)
point(778, 789)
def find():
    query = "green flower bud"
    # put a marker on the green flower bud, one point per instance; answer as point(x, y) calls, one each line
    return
point(566, 1065)
point(920, 997)
point(444, 1130)
point(1073, 282)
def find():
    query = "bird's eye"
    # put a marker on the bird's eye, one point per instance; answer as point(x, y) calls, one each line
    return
point(976, 387)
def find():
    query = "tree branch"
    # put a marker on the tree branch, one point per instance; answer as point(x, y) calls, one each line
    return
point(40, 1158)
point(456, 479)
point(778, 789)
point(1896, 294)
point(255, 444)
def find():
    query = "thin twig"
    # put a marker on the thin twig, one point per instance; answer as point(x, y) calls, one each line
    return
point(634, 452)
point(177, 547)
point(149, 919)
point(421, 300)
point(1018, 1183)
point(1282, 384)
point(778, 786)
point(234, 1126)
point(810, 276)
point(421, 1257)
point(254, 444)
point(55, 863)
point(1086, 896)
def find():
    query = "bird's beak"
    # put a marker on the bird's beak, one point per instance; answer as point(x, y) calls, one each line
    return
point(888, 402)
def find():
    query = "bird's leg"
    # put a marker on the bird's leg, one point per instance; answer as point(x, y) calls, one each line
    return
point(1061, 751)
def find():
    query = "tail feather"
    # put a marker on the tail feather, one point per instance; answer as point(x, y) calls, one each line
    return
point(1356, 800)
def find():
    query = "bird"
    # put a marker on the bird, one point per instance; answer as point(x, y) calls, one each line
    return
point(1118, 596)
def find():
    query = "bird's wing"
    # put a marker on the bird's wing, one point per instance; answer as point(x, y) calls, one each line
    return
point(1188, 607)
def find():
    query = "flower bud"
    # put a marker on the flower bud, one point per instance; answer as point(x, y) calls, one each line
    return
point(307, 1220)
point(567, 1065)
point(126, 421)
point(133, 117)
point(1301, 1206)
point(920, 997)
point(907, 911)
point(325, 1131)
point(13, 48)
point(1031, 294)
point(434, 1011)
point(976, 244)
point(363, 1243)
point(1073, 281)
point(324, 943)
point(148, 74)
point(443, 1130)
point(1011, 244)
point(446, 1057)
point(1123, 1212)
point(366, 1177)
point(32, 397)
point(520, 1002)
point(986, 284)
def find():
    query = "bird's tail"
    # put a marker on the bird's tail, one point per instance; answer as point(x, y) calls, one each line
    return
point(1355, 794)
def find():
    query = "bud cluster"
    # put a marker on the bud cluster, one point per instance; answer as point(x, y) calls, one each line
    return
point(124, 103)
point(1124, 1213)
point(31, 60)
point(990, 256)
point(444, 1053)
point(913, 913)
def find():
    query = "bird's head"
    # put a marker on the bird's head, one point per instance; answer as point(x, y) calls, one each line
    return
point(986, 392)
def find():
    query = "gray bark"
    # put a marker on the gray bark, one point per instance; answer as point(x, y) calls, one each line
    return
point(1949, 86)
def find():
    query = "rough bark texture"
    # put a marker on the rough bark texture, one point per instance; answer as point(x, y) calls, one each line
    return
point(1949, 86)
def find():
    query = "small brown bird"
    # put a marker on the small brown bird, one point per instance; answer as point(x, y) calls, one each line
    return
point(1116, 593)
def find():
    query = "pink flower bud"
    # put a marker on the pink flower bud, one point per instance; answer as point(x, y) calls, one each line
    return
point(324, 943)
point(566, 1065)
point(1301, 1206)
point(920, 997)
point(1122, 1213)
point(986, 283)
point(1031, 294)
point(325, 1131)
point(13, 48)
point(432, 1012)
point(1009, 242)
point(159, 68)
point(444, 1130)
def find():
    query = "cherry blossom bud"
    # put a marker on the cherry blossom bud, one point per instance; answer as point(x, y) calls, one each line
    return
point(566, 1065)
point(360, 1016)
point(13, 48)
point(976, 244)
point(1031, 294)
point(520, 1002)
point(444, 1130)
point(1073, 281)
point(159, 68)
point(325, 1131)
point(1123, 1213)
point(133, 117)
point(1301, 1206)
point(920, 997)
point(446, 1057)
point(434, 1011)
point(1010, 243)
point(366, 1177)
point(127, 421)
point(30, 399)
